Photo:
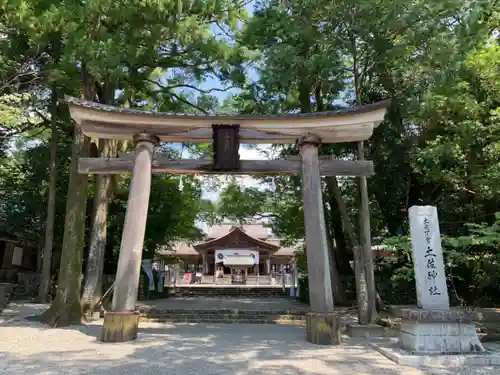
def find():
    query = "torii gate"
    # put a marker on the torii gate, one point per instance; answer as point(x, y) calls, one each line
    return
point(148, 128)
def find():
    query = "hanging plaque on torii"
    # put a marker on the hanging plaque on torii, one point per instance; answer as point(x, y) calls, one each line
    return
point(226, 145)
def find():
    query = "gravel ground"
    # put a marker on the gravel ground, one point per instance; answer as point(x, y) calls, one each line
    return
point(30, 348)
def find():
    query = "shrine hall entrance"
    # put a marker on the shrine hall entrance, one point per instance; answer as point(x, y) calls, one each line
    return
point(248, 251)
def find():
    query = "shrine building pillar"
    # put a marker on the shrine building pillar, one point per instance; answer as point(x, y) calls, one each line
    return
point(204, 264)
point(322, 324)
point(120, 324)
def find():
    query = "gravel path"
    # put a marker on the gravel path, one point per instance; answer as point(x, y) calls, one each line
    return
point(31, 348)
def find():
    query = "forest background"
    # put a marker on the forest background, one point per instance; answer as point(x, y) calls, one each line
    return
point(439, 63)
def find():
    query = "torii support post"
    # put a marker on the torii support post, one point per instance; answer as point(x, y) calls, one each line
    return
point(322, 324)
point(122, 322)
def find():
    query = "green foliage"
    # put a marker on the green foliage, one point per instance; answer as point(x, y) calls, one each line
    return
point(240, 204)
point(172, 212)
point(145, 54)
point(439, 64)
point(301, 259)
point(472, 263)
point(24, 191)
point(15, 119)
point(438, 61)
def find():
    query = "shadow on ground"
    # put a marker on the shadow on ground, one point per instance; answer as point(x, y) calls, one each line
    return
point(30, 347)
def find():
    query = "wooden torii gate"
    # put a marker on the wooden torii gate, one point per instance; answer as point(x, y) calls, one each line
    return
point(147, 129)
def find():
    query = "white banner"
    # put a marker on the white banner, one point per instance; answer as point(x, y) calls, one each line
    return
point(147, 266)
point(221, 254)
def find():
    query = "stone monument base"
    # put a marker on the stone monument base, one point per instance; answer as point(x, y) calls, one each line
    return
point(439, 331)
point(391, 348)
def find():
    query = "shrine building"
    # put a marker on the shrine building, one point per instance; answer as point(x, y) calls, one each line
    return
point(252, 246)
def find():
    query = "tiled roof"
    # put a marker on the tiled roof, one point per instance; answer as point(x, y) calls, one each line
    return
point(179, 248)
point(286, 251)
point(256, 230)
point(239, 232)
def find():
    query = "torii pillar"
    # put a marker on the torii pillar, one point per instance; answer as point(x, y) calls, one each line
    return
point(121, 323)
point(323, 326)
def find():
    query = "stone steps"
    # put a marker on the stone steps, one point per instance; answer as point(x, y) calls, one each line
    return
point(224, 317)
point(229, 291)
point(227, 321)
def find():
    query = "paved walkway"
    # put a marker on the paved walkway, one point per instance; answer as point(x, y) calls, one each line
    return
point(31, 348)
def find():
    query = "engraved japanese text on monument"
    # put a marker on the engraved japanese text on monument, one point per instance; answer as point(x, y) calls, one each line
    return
point(427, 255)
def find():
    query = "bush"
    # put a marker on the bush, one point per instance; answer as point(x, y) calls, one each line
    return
point(472, 266)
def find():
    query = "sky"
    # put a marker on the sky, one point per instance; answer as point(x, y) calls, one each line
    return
point(212, 82)
point(246, 153)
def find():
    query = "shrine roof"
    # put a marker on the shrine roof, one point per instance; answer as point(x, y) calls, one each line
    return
point(235, 231)
point(256, 230)
point(342, 125)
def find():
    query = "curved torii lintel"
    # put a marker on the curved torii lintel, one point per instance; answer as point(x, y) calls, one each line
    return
point(343, 125)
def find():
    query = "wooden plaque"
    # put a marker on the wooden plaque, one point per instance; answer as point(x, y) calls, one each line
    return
point(226, 145)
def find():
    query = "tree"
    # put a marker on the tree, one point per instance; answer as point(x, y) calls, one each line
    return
point(46, 275)
point(438, 144)
point(378, 55)
point(241, 204)
point(92, 289)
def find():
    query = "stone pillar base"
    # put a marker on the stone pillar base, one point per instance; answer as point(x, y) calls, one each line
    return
point(323, 328)
point(120, 326)
point(439, 332)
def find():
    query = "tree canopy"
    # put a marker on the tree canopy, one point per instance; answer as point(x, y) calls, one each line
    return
point(438, 62)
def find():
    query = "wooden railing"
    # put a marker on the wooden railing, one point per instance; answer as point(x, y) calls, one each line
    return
point(182, 279)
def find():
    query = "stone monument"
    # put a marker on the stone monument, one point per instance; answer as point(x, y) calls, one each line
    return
point(432, 327)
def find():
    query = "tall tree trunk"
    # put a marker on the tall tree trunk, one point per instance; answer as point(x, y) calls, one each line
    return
point(338, 295)
point(359, 269)
point(66, 308)
point(366, 243)
point(92, 289)
point(341, 256)
point(305, 97)
point(319, 99)
point(39, 254)
point(365, 255)
point(46, 277)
